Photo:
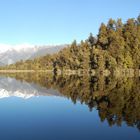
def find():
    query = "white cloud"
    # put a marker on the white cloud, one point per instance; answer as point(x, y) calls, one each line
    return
point(5, 47)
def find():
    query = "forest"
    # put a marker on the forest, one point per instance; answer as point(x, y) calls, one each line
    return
point(116, 46)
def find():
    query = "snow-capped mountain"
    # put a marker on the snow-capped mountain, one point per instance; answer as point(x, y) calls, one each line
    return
point(11, 87)
point(11, 54)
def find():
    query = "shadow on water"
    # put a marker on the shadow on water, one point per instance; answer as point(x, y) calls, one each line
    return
point(116, 99)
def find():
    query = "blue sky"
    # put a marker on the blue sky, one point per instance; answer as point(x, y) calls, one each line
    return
point(58, 21)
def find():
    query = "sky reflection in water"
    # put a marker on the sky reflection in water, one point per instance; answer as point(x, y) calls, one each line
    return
point(57, 117)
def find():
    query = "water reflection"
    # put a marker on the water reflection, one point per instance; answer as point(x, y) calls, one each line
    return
point(12, 87)
point(116, 99)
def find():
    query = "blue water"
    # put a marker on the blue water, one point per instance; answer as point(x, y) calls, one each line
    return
point(42, 110)
point(54, 118)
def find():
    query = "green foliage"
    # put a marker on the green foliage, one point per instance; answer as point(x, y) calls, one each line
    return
point(117, 45)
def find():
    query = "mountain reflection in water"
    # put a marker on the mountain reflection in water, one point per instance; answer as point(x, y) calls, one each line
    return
point(116, 99)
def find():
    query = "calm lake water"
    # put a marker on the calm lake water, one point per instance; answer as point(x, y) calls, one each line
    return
point(41, 107)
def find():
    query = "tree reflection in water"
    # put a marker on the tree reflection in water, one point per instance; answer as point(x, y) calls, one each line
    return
point(116, 99)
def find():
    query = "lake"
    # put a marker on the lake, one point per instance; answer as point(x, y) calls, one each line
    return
point(42, 106)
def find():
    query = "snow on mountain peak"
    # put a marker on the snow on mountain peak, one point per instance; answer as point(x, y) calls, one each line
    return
point(10, 54)
point(18, 47)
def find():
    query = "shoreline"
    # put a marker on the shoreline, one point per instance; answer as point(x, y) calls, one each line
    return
point(20, 71)
point(116, 73)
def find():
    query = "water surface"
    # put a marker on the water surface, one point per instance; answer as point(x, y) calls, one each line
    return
point(41, 107)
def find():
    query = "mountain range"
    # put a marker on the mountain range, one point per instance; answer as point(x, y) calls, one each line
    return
point(14, 54)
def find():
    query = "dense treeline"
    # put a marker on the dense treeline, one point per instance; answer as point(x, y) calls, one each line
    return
point(117, 45)
point(117, 99)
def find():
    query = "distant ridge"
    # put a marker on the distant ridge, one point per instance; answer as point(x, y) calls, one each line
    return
point(13, 55)
point(43, 50)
